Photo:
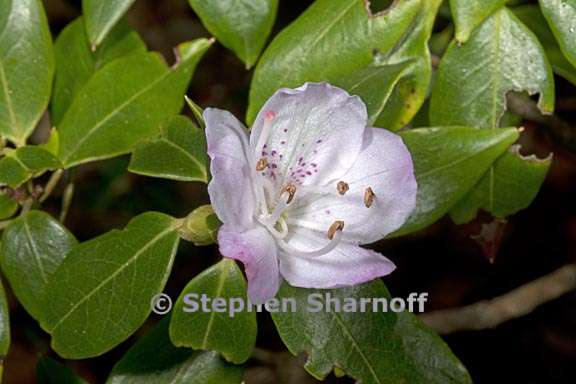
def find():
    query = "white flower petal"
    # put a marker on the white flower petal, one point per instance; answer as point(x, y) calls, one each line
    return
point(257, 250)
point(231, 187)
point(384, 165)
point(312, 134)
point(346, 265)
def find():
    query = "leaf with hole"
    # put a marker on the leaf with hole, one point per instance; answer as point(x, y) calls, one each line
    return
point(332, 39)
point(448, 162)
point(372, 347)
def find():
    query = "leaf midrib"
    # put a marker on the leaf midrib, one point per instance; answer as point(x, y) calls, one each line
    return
point(221, 279)
point(113, 113)
point(153, 241)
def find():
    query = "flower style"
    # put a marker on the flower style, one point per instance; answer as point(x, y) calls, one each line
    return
point(309, 185)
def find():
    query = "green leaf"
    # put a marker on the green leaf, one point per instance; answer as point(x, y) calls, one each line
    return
point(532, 17)
point(233, 335)
point(372, 347)
point(26, 67)
point(19, 165)
point(154, 360)
point(509, 186)
point(331, 40)
point(8, 206)
point(49, 371)
point(240, 25)
point(561, 16)
point(374, 84)
point(502, 55)
point(178, 154)
point(4, 327)
point(117, 108)
point(412, 89)
point(101, 16)
point(102, 291)
point(33, 247)
point(76, 63)
point(448, 162)
point(469, 14)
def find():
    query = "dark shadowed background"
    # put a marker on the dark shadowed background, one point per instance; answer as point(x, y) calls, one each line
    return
point(443, 260)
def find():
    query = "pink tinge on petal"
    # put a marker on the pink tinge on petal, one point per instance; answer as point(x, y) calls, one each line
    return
point(257, 250)
point(346, 265)
point(231, 187)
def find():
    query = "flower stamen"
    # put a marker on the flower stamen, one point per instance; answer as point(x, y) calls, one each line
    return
point(261, 164)
point(342, 187)
point(336, 227)
point(291, 190)
point(369, 196)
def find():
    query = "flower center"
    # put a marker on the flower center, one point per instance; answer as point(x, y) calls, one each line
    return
point(273, 206)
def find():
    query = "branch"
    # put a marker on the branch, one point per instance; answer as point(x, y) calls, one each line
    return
point(516, 303)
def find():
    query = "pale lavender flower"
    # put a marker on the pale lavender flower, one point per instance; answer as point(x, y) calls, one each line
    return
point(308, 185)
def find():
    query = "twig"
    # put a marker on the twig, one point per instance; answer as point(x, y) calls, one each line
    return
point(51, 184)
point(516, 303)
point(66, 201)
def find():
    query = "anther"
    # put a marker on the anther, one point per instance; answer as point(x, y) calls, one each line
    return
point(369, 197)
point(261, 164)
point(336, 226)
point(342, 187)
point(291, 190)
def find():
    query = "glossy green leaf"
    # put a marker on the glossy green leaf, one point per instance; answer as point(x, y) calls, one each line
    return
point(49, 371)
point(561, 16)
point(4, 328)
point(240, 25)
point(502, 55)
point(448, 162)
point(331, 40)
point(101, 16)
point(372, 347)
point(76, 63)
point(469, 14)
point(178, 154)
point(234, 336)
point(118, 108)
point(532, 17)
point(374, 84)
point(26, 67)
point(19, 165)
point(8, 206)
point(154, 360)
point(33, 247)
point(102, 291)
point(412, 89)
point(509, 186)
